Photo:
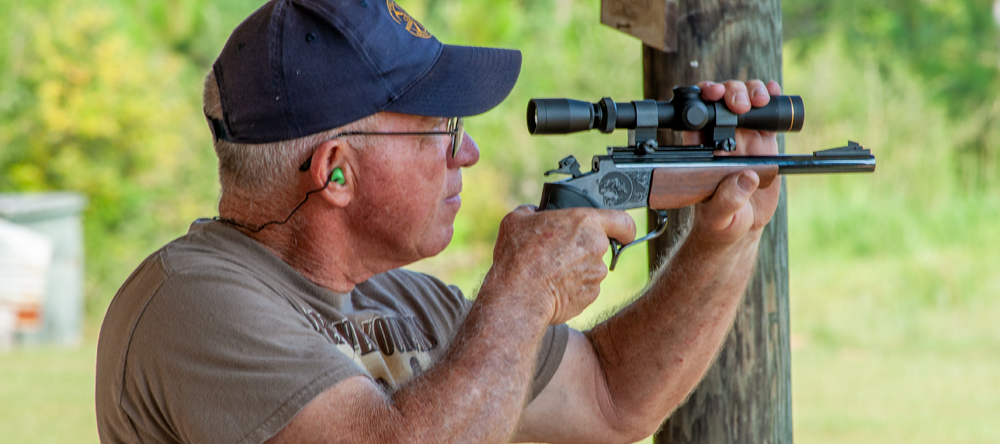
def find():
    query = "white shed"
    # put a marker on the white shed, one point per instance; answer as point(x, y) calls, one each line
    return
point(25, 258)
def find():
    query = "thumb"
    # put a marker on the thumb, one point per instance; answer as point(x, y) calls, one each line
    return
point(722, 211)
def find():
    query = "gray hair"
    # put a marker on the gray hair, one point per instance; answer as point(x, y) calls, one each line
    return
point(263, 169)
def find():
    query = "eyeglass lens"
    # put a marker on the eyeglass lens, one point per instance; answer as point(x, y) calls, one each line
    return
point(456, 126)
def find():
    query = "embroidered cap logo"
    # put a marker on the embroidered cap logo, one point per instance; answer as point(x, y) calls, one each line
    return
point(400, 16)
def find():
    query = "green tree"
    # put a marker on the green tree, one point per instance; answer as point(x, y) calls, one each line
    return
point(89, 110)
point(953, 46)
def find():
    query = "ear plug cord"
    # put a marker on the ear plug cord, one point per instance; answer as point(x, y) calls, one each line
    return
point(336, 176)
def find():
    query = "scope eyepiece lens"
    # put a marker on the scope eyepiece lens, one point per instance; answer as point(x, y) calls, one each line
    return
point(532, 117)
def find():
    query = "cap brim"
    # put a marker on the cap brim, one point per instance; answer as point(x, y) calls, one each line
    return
point(465, 81)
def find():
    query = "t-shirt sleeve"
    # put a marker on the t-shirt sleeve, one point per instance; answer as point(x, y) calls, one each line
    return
point(207, 363)
point(550, 355)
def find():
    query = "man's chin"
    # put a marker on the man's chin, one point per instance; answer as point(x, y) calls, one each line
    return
point(437, 245)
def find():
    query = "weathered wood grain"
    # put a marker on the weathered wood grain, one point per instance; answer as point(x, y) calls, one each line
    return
point(746, 395)
point(652, 21)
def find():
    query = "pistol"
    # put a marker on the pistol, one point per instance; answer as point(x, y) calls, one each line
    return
point(661, 178)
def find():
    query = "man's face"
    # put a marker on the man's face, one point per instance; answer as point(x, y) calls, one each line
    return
point(408, 189)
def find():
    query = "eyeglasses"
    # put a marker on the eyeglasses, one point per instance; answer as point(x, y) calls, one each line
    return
point(456, 129)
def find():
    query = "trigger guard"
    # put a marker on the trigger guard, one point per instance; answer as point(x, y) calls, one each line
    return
point(617, 248)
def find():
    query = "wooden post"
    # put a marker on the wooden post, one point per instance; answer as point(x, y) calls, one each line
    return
point(746, 395)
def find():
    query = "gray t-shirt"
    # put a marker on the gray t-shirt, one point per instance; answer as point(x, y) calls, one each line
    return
point(215, 340)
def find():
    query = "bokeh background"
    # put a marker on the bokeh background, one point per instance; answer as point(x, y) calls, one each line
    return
point(894, 280)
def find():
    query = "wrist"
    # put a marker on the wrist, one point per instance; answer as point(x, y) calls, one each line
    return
point(507, 295)
point(707, 241)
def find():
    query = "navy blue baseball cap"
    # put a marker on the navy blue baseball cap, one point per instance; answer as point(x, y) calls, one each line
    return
point(299, 67)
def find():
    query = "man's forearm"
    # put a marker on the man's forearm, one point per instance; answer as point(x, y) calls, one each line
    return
point(482, 382)
point(655, 351)
point(475, 393)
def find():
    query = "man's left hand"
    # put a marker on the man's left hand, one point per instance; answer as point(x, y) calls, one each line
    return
point(738, 207)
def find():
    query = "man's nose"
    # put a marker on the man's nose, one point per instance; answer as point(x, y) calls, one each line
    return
point(467, 155)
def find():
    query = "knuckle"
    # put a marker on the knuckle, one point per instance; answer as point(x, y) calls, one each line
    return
point(574, 213)
point(585, 214)
point(735, 84)
point(591, 242)
point(598, 248)
point(507, 221)
point(600, 273)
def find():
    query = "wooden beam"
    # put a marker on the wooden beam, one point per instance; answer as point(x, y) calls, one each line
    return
point(652, 21)
point(746, 395)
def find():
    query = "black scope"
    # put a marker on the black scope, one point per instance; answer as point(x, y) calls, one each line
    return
point(686, 111)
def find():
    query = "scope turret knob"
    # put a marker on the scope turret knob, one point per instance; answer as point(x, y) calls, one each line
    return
point(686, 92)
point(694, 115)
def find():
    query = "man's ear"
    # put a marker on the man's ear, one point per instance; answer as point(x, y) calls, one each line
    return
point(332, 170)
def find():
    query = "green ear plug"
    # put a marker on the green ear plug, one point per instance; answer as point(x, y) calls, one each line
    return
point(337, 176)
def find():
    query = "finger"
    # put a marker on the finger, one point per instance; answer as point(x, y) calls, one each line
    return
point(732, 194)
point(617, 225)
point(736, 97)
point(712, 91)
point(758, 93)
point(773, 88)
point(755, 143)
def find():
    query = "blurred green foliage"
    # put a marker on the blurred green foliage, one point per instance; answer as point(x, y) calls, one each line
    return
point(893, 291)
point(104, 98)
point(952, 47)
point(86, 106)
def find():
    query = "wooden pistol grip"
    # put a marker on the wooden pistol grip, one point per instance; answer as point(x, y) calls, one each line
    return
point(673, 188)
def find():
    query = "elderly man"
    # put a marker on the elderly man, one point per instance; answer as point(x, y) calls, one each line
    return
point(287, 318)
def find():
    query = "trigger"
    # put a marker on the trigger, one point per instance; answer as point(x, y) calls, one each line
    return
point(617, 248)
point(616, 251)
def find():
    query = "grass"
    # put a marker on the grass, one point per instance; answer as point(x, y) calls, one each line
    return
point(898, 344)
point(875, 360)
point(47, 395)
point(866, 395)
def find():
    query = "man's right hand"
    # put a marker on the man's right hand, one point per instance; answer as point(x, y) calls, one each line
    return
point(554, 260)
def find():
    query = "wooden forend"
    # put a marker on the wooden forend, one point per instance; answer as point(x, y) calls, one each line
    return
point(674, 188)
